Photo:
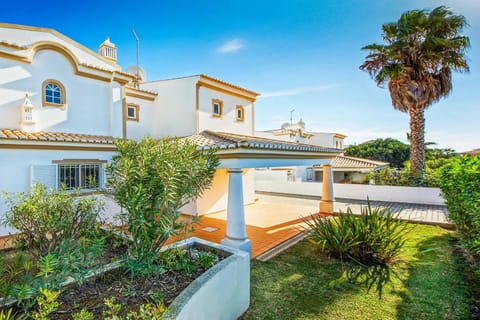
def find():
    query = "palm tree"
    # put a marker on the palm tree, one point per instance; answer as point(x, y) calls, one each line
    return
point(421, 51)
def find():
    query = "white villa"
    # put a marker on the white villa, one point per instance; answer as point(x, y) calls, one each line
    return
point(62, 104)
point(345, 169)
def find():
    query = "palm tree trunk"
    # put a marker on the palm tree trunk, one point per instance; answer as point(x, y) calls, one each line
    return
point(417, 140)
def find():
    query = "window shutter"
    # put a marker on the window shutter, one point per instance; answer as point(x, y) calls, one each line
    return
point(105, 176)
point(44, 174)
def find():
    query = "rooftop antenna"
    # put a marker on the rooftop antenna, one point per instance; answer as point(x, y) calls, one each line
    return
point(138, 48)
point(291, 117)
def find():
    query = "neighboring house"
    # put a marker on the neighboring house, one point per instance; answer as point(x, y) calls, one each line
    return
point(473, 152)
point(62, 105)
point(349, 169)
point(296, 132)
point(345, 169)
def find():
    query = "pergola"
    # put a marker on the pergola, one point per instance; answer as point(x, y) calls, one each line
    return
point(238, 152)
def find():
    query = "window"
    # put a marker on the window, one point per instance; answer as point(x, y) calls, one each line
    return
point(217, 107)
point(309, 174)
point(240, 113)
point(53, 94)
point(132, 111)
point(85, 176)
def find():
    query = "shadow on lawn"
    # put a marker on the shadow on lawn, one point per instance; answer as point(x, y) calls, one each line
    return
point(373, 277)
point(302, 283)
point(305, 283)
point(436, 287)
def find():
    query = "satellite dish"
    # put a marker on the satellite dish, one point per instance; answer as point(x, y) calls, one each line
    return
point(136, 70)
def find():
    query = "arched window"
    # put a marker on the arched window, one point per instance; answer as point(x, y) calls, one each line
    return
point(53, 94)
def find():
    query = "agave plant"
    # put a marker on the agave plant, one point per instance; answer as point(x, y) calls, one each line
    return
point(374, 236)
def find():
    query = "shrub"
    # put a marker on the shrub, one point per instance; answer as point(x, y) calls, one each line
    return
point(375, 236)
point(460, 185)
point(152, 180)
point(395, 177)
point(46, 218)
point(188, 260)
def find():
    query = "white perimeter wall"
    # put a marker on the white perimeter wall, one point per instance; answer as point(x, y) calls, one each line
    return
point(353, 191)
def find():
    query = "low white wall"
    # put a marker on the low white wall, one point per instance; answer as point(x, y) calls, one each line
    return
point(356, 191)
point(222, 292)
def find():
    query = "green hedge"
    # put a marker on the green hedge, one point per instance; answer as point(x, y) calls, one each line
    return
point(460, 185)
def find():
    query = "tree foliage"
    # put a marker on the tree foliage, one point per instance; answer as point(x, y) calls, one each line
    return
point(460, 185)
point(387, 150)
point(152, 180)
point(420, 52)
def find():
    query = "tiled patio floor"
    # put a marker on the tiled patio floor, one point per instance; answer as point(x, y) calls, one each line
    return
point(268, 224)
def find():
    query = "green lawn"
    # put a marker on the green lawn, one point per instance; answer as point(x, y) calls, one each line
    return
point(301, 283)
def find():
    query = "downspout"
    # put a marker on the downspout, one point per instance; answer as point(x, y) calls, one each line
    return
point(253, 118)
point(124, 113)
point(197, 108)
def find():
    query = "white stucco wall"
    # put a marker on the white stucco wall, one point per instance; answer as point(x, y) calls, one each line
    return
point(324, 139)
point(26, 36)
point(174, 111)
point(228, 121)
point(147, 124)
point(15, 167)
point(116, 111)
point(216, 198)
point(221, 293)
point(89, 102)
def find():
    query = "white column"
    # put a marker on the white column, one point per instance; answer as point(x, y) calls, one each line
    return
point(236, 236)
point(328, 201)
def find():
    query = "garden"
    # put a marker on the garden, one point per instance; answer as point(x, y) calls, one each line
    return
point(377, 267)
point(66, 264)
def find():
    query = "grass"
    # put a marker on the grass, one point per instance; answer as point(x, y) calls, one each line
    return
point(301, 283)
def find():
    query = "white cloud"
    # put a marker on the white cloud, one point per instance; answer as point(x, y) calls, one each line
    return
point(300, 90)
point(231, 46)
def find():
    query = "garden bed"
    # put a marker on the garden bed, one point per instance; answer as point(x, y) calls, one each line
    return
point(130, 293)
point(180, 290)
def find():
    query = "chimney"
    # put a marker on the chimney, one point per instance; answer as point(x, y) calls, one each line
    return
point(108, 50)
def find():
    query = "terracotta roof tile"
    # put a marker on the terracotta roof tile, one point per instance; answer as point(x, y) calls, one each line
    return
point(15, 134)
point(222, 140)
point(351, 162)
point(471, 152)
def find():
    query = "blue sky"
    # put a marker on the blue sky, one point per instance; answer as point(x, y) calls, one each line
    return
point(299, 54)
